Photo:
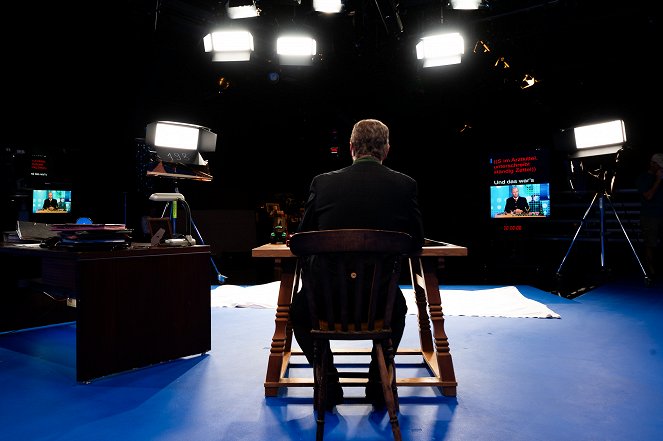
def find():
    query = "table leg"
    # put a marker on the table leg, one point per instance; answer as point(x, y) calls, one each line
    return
point(279, 354)
point(427, 292)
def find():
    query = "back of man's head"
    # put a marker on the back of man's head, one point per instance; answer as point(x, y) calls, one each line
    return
point(370, 137)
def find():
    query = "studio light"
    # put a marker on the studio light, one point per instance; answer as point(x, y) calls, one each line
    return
point(296, 49)
point(223, 83)
point(180, 142)
point(528, 81)
point(600, 142)
point(467, 4)
point(440, 49)
point(236, 45)
point(599, 139)
point(481, 47)
point(501, 61)
point(328, 6)
point(242, 9)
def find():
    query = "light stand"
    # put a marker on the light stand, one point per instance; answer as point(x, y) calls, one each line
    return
point(603, 196)
point(177, 146)
point(597, 140)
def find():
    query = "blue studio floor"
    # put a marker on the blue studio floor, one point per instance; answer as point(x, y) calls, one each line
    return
point(594, 374)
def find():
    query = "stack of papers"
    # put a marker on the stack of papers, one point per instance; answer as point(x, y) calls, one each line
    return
point(93, 236)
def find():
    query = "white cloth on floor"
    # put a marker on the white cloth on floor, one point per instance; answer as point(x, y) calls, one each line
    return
point(504, 301)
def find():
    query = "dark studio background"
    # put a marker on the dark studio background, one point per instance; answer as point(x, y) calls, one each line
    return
point(81, 81)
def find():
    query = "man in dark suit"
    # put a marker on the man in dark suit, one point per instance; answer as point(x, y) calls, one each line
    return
point(50, 203)
point(366, 194)
point(516, 204)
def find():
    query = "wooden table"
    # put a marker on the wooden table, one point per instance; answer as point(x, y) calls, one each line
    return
point(434, 342)
point(134, 307)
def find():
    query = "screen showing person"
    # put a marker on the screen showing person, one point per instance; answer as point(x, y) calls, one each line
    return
point(516, 204)
point(519, 183)
point(51, 201)
point(520, 200)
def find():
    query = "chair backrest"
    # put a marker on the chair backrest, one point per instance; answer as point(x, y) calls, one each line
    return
point(350, 276)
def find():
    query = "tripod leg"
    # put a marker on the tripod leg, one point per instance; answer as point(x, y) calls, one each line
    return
point(582, 222)
point(642, 268)
point(602, 214)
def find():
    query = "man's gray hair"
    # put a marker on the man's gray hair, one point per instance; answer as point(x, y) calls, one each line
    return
point(370, 137)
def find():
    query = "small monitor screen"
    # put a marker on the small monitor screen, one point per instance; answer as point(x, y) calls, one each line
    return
point(48, 201)
point(537, 197)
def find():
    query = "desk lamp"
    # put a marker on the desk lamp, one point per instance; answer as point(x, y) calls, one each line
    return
point(174, 197)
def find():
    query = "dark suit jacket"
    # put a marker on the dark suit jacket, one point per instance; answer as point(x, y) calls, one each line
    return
point(365, 194)
point(520, 204)
point(50, 203)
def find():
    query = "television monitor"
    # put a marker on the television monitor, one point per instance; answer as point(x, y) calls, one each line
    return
point(527, 170)
point(60, 203)
point(537, 196)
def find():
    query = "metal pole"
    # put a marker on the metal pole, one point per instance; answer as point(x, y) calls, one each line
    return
point(642, 268)
point(602, 211)
point(582, 222)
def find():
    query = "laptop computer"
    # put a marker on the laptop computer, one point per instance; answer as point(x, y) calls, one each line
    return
point(34, 231)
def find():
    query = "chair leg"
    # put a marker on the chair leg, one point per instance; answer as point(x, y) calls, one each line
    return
point(388, 391)
point(391, 370)
point(320, 389)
